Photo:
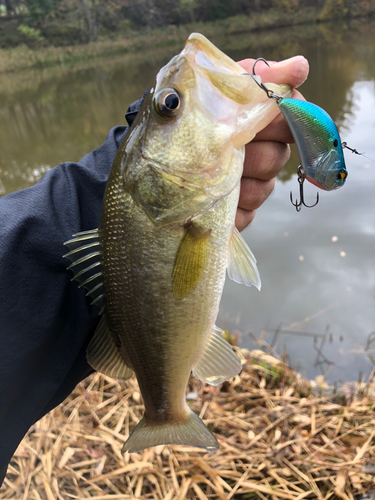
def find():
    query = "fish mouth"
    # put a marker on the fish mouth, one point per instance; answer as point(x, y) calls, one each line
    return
point(224, 73)
point(207, 55)
point(206, 60)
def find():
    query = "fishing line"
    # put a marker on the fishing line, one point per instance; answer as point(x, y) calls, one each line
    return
point(344, 145)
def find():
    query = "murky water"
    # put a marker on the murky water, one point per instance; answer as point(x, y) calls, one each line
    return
point(317, 266)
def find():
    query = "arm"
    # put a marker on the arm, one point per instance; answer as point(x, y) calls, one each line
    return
point(45, 321)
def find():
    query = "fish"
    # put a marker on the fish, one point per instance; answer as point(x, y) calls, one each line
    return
point(317, 141)
point(156, 265)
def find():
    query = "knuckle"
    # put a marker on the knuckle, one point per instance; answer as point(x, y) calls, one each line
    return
point(267, 158)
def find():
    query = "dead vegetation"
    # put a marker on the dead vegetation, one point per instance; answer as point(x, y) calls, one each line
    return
point(279, 439)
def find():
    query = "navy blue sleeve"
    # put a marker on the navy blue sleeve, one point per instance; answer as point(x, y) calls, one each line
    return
point(46, 322)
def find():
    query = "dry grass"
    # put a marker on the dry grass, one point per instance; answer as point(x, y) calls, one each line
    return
point(277, 441)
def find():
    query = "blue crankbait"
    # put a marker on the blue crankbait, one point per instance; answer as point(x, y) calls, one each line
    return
point(318, 143)
point(317, 140)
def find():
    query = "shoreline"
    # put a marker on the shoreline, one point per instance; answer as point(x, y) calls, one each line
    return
point(22, 57)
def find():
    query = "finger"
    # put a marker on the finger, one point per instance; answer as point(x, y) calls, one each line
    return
point(291, 71)
point(254, 192)
point(243, 218)
point(265, 159)
point(278, 130)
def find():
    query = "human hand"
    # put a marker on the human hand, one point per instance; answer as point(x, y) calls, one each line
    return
point(269, 151)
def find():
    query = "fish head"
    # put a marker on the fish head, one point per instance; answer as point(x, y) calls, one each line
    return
point(199, 114)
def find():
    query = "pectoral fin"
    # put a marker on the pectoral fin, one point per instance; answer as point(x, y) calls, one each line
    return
point(190, 262)
point(242, 267)
point(103, 355)
point(85, 257)
point(219, 362)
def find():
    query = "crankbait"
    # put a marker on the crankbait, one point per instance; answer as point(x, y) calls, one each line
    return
point(317, 140)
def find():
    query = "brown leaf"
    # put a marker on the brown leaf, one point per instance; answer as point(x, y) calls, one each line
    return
point(340, 482)
point(354, 440)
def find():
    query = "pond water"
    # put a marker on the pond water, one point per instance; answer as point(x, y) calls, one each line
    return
point(317, 266)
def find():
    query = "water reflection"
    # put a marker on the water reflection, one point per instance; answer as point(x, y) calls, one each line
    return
point(63, 116)
point(309, 281)
point(334, 282)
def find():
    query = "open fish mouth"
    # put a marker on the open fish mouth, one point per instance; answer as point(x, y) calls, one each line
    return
point(224, 74)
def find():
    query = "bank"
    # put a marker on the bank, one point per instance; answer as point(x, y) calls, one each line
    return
point(34, 55)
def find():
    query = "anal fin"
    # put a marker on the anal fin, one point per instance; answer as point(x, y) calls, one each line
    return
point(103, 355)
point(219, 362)
point(242, 265)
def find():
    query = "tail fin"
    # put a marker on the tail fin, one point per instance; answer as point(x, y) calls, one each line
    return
point(191, 432)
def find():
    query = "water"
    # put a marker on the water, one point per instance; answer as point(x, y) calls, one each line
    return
point(317, 266)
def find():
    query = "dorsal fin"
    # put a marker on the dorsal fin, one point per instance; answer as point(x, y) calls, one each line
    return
point(85, 257)
point(103, 355)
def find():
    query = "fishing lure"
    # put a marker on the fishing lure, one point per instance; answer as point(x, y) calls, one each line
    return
point(317, 140)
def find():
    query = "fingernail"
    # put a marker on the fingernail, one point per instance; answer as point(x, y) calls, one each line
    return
point(286, 61)
point(300, 67)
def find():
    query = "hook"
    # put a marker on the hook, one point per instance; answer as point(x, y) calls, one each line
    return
point(256, 61)
point(301, 179)
point(270, 93)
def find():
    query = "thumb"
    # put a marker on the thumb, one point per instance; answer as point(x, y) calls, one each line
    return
point(292, 71)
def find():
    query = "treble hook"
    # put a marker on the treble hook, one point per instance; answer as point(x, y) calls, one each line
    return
point(301, 179)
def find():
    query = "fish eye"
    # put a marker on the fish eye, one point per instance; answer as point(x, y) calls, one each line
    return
point(335, 143)
point(341, 176)
point(167, 102)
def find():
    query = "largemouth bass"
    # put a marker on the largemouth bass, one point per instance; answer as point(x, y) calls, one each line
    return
point(156, 265)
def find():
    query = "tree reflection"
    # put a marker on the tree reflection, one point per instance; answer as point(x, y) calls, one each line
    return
point(48, 117)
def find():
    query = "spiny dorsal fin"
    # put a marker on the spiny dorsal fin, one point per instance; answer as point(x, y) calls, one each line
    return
point(219, 362)
point(190, 261)
point(85, 257)
point(103, 355)
point(242, 265)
